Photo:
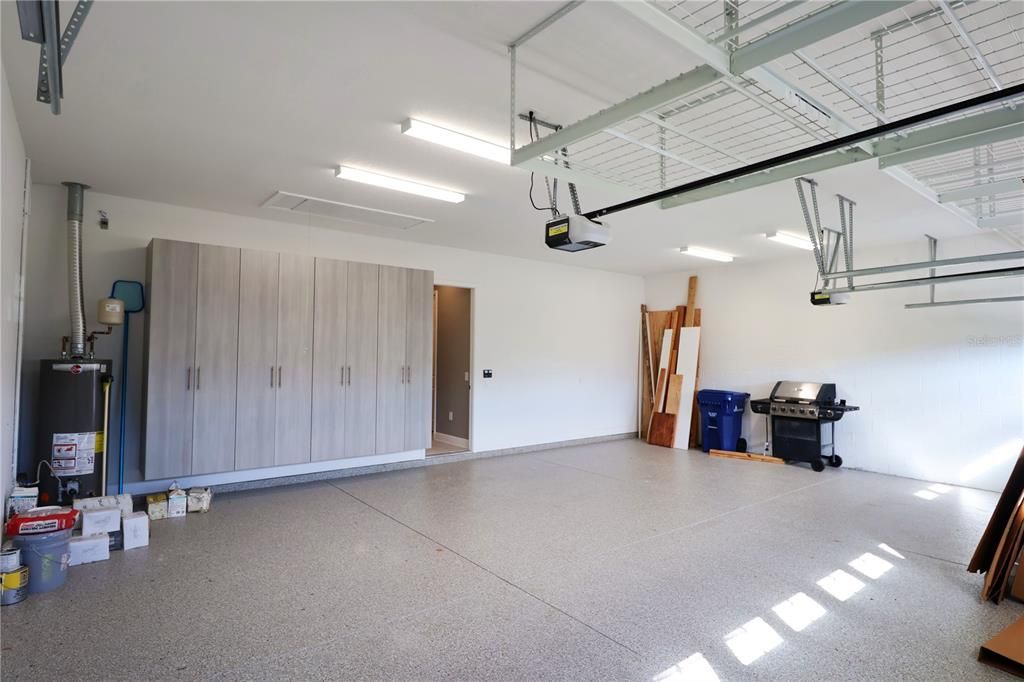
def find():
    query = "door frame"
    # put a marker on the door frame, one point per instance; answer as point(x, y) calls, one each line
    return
point(441, 282)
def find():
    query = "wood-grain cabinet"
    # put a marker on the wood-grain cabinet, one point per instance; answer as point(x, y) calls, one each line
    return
point(256, 359)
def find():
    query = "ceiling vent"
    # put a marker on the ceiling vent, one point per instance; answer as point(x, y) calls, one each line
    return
point(337, 210)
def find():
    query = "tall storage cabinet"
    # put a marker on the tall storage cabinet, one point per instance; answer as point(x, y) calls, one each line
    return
point(419, 359)
point(391, 365)
point(255, 440)
point(344, 359)
point(170, 351)
point(294, 359)
point(404, 358)
point(258, 359)
point(216, 365)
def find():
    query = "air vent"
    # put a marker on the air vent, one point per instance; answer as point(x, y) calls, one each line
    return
point(336, 210)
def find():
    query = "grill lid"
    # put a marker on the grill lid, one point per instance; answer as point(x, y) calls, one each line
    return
point(803, 392)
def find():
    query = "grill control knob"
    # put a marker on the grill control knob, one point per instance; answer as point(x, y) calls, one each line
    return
point(812, 412)
point(828, 413)
point(801, 410)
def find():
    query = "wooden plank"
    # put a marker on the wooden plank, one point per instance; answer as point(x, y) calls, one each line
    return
point(1006, 650)
point(691, 302)
point(646, 375)
point(749, 456)
point(687, 366)
point(659, 393)
point(663, 429)
point(1001, 517)
point(1004, 541)
point(694, 409)
point(674, 393)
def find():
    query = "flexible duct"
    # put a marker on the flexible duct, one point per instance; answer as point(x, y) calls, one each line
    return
point(76, 193)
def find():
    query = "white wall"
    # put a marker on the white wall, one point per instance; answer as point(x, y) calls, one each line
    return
point(11, 210)
point(562, 341)
point(940, 389)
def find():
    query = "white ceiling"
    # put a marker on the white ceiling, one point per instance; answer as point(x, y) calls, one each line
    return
point(219, 105)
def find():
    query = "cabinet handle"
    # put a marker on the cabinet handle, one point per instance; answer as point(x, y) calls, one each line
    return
point(279, 376)
point(271, 376)
point(349, 378)
point(341, 378)
point(188, 379)
point(198, 376)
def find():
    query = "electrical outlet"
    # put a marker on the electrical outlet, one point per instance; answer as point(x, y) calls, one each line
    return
point(451, 416)
point(488, 373)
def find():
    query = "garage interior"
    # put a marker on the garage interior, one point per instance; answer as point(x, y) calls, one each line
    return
point(512, 340)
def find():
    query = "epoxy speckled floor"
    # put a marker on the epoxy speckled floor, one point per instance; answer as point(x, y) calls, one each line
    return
point(613, 561)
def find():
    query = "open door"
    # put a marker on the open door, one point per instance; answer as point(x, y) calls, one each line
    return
point(452, 344)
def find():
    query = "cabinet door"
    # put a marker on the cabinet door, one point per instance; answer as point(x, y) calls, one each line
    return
point(257, 360)
point(419, 342)
point(294, 359)
point(361, 349)
point(330, 378)
point(391, 364)
point(171, 337)
point(216, 370)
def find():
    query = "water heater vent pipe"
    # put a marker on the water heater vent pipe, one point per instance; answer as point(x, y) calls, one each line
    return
point(76, 194)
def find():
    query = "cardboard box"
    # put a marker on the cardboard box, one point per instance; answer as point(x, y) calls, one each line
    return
point(21, 500)
point(156, 506)
point(136, 530)
point(122, 502)
point(86, 549)
point(177, 502)
point(199, 499)
point(1017, 587)
point(101, 521)
point(1006, 650)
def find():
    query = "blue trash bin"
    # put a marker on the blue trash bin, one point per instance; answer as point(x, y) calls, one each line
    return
point(721, 418)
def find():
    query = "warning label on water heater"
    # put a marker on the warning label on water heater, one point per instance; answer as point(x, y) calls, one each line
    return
point(74, 454)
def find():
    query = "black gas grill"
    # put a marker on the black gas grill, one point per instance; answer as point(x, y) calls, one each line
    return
point(796, 411)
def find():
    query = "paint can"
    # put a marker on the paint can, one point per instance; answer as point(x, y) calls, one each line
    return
point(10, 559)
point(47, 556)
point(13, 586)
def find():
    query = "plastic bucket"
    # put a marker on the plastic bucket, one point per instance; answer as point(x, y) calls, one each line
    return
point(47, 556)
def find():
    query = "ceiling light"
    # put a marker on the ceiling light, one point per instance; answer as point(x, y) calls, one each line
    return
point(455, 140)
point(398, 184)
point(790, 239)
point(710, 254)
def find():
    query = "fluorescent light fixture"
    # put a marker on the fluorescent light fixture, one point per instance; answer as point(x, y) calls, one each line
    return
point(840, 584)
point(455, 140)
point(940, 488)
point(752, 640)
point(693, 669)
point(926, 494)
point(871, 565)
point(790, 239)
point(799, 611)
point(710, 254)
point(370, 178)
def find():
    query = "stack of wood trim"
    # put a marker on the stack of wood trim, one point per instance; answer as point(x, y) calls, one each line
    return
point(664, 394)
point(1001, 544)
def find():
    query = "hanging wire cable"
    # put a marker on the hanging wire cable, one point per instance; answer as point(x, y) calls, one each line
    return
point(533, 132)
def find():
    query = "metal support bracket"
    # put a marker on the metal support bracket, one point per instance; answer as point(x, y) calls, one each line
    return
point(53, 53)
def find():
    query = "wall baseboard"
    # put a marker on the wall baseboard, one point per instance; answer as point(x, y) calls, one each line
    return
point(433, 460)
point(451, 440)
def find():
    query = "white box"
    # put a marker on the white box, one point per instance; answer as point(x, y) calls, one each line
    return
point(199, 499)
point(122, 502)
point(136, 530)
point(177, 502)
point(101, 521)
point(22, 499)
point(85, 549)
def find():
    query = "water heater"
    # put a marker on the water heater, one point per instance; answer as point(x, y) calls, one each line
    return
point(71, 430)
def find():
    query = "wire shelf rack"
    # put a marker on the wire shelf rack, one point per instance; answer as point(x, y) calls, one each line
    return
point(910, 60)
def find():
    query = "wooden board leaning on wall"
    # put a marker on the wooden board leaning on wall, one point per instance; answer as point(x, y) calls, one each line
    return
point(655, 356)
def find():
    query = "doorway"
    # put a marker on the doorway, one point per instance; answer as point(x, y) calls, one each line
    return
point(452, 342)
